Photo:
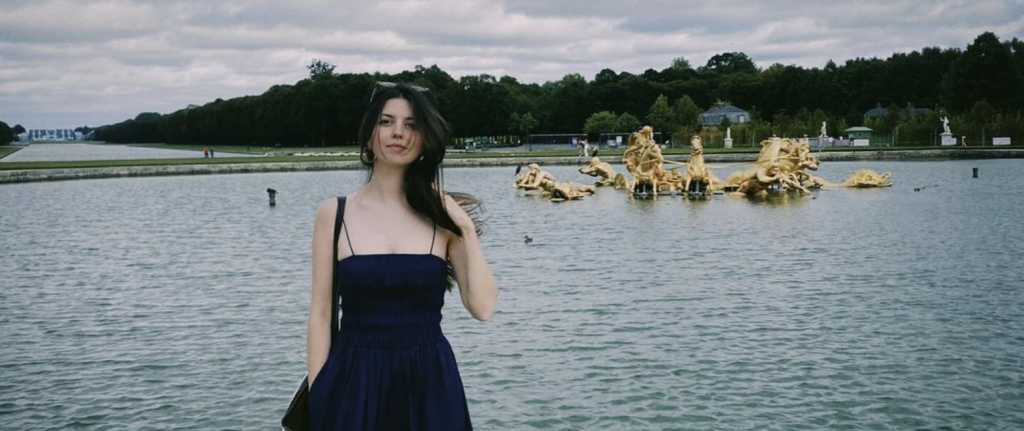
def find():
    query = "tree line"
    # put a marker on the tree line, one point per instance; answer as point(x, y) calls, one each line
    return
point(981, 89)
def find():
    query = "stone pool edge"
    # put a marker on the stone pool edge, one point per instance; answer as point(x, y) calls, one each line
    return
point(33, 175)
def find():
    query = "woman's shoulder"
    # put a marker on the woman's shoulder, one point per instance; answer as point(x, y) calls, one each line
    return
point(325, 211)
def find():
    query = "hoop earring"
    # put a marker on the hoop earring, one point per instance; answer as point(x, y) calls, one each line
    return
point(362, 155)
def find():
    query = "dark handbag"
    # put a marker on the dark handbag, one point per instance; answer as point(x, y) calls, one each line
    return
point(296, 418)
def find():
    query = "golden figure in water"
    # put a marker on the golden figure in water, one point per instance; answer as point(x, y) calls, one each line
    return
point(537, 179)
point(698, 172)
point(607, 174)
point(867, 178)
point(559, 191)
point(780, 165)
point(532, 178)
point(644, 160)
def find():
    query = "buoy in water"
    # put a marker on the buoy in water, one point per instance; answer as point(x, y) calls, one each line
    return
point(272, 193)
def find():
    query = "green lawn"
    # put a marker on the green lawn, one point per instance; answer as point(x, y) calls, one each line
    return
point(250, 149)
point(7, 149)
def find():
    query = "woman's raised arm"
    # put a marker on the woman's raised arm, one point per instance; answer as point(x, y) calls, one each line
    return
point(476, 282)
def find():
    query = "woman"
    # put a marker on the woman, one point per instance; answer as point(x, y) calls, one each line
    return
point(390, 366)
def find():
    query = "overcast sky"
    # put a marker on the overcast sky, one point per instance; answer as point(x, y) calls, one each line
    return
point(67, 63)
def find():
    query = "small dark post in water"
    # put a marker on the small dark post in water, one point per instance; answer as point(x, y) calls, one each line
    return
point(975, 172)
point(272, 193)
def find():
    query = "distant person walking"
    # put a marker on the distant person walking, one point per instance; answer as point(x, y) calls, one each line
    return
point(206, 151)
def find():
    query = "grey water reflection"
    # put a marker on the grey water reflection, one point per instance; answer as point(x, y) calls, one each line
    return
point(179, 303)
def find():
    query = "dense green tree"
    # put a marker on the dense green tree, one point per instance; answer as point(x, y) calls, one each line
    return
point(627, 123)
point(522, 124)
point(740, 89)
point(6, 134)
point(480, 106)
point(18, 129)
point(981, 113)
point(686, 112)
point(567, 104)
point(1016, 47)
point(885, 125)
point(661, 117)
point(326, 108)
point(680, 64)
point(528, 123)
point(986, 70)
point(319, 69)
point(600, 122)
point(729, 63)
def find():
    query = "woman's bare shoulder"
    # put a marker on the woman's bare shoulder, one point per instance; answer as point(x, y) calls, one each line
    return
point(325, 211)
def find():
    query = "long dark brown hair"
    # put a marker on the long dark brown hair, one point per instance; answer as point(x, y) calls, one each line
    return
point(424, 180)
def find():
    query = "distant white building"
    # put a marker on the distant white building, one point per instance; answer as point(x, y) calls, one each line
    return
point(713, 116)
point(51, 135)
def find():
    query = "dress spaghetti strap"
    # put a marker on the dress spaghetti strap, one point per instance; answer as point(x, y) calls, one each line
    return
point(432, 239)
point(352, 250)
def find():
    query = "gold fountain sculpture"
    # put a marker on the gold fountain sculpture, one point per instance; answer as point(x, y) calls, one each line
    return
point(781, 165)
point(607, 174)
point(697, 172)
point(644, 160)
point(537, 179)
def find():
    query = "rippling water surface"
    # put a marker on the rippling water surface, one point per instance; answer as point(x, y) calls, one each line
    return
point(179, 303)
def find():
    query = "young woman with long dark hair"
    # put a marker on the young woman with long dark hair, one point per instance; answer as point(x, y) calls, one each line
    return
point(403, 241)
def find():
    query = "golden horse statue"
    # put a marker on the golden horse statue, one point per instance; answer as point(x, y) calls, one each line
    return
point(698, 172)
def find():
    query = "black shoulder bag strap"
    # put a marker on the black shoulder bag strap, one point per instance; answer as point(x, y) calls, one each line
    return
point(296, 418)
point(338, 221)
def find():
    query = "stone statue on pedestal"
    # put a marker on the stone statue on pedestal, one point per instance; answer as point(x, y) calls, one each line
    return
point(824, 129)
point(945, 126)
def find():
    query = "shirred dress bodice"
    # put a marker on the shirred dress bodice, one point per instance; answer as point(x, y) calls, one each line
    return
point(390, 367)
point(391, 299)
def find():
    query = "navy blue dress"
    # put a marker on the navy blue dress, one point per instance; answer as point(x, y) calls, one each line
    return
point(390, 367)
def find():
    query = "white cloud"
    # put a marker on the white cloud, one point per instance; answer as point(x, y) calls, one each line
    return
point(66, 62)
point(66, 21)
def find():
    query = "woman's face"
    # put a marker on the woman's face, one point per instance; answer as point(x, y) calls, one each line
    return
point(397, 137)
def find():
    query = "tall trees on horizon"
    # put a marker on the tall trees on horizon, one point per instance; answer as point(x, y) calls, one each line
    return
point(325, 108)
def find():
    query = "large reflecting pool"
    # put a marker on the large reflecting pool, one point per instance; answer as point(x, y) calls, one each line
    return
point(179, 303)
